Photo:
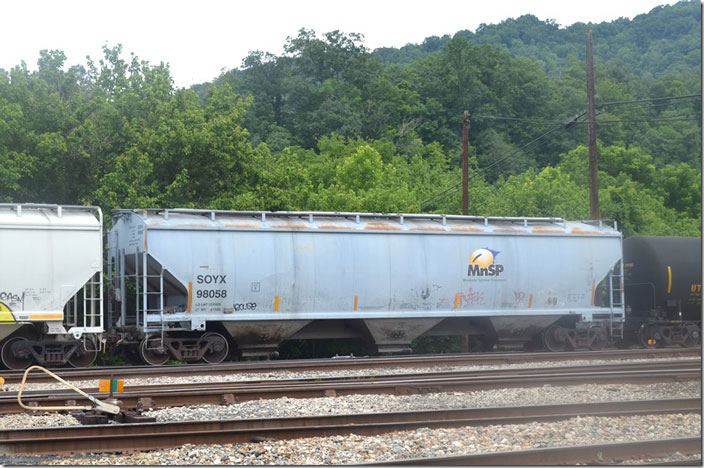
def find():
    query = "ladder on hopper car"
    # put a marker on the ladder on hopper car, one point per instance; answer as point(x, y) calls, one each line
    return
point(149, 305)
point(616, 300)
point(90, 299)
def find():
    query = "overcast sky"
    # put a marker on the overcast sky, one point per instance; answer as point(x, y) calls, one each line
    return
point(200, 38)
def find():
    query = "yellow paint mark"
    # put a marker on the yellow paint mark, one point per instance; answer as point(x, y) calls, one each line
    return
point(669, 279)
point(593, 290)
point(2, 381)
point(6, 314)
point(46, 316)
point(457, 300)
point(276, 303)
point(356, 301)
point(530, 301)
point(190, 296)
point(108, 385)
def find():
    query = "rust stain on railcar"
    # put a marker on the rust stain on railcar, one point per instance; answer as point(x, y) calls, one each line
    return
point(291, 226)
point(333, 226)
point(466, 229)
point(578, 231)
point(382, 227)
point(546, 230)
point(243, 226)
point(428, 228)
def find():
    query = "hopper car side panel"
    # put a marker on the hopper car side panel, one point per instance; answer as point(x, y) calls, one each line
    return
point(238, 275)
point(50, 284)
point(267, 276)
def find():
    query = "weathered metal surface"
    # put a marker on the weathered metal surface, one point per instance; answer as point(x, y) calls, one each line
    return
point(134, 437)
point(49, 252)
point(319, 266)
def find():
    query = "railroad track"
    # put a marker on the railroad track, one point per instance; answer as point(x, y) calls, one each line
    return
point(601, 454)
point(230, 392)
point(150, 436)
point(349, 363)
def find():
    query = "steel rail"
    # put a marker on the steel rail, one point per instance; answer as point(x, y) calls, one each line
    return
point(230, 392)
point(603, 454)
point(651, 365)
point(347, 363)
point(150, 436)
point(527, 371)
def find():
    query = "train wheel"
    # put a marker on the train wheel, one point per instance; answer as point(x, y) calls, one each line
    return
point(555, 338)
point(153, 352)
point(693, 336)
point(11, 359)
point(85, 355)
point(218, 349)
point(647, 337)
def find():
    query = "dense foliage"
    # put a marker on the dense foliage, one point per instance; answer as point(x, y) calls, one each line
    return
point(330, 125)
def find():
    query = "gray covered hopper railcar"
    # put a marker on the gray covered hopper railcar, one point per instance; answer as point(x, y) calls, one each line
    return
point(182, 280)
point(51, 303)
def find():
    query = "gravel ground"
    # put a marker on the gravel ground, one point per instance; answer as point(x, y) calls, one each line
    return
point(349, 404)
point(286, 375)
point(290, 407)
point(419, 443)
point(406, 444)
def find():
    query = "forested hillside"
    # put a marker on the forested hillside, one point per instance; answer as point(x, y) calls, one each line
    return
point(666, 40)
point(331, 125)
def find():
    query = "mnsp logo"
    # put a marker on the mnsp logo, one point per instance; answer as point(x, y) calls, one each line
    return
point(482, 262)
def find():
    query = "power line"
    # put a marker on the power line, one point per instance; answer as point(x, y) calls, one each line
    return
point(643, 120)
point(494, 117)
point(604, 104)
point(632, 101)
point(642, 105)
point(480, 171)
point(562, 125)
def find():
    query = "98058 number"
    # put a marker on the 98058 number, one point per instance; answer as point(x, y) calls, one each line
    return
point(211, 293)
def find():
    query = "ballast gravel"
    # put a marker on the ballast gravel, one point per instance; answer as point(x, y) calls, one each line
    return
point(291, 375)
point(401, 445)
point(350, 404)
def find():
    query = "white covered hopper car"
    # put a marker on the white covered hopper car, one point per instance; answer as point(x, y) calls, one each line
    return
point(51, 263)
point(191, 284)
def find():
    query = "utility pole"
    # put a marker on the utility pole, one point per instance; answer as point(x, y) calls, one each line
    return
point(465, 164)
point(591, 112)
point(465, 192)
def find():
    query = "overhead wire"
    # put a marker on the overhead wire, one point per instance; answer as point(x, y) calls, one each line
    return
point(564, 125)
point(484, 169)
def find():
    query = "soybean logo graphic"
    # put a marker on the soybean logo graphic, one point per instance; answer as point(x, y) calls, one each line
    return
point(482, 262)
